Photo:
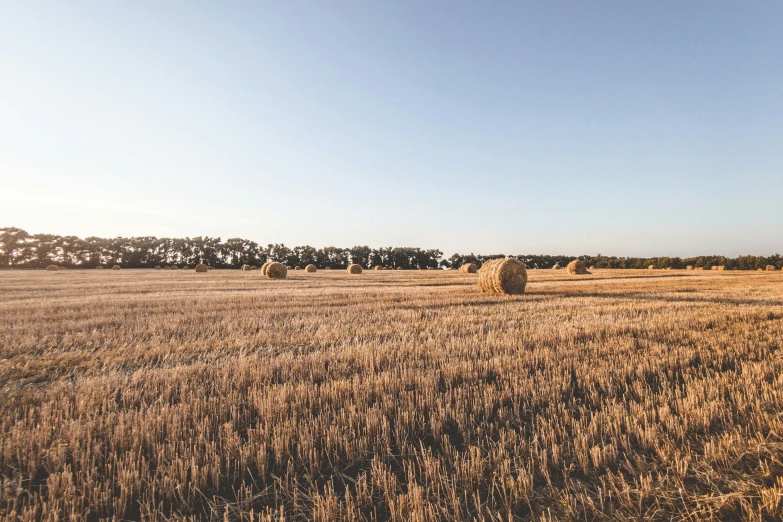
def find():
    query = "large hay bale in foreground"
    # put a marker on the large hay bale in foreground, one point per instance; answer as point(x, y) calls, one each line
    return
point(276, 271)
point(201, 268)
point(468, 268)
point(577, 267)
point(771, 268)
point(116, 267)
point(311, 268)
point(52, 268)
point(354, 269)
point(503, 276)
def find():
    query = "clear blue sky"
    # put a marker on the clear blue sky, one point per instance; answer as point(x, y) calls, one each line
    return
point(625, 128)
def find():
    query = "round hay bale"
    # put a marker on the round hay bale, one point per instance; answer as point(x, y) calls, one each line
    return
point(689, 267)
point(651, 267)
point(556, 267)
point(714, 268)
point(99, 267)
point(577, 267)
point(289, 268)
point(297, 268)
point(253, 268)
point(245, 268)
point(400, 268)
point(52, 268)
point(771, 268)
point(328, 268)
point(116, 267)
point(158, 268)
point(378, 267)
point(721, 267)
point(699, 268)
point(201, 268)
point(174, 267)
point(263, 267)
point(468, 268)
point(276, 271)
point(311, 268)
point(503, 276)
point(354, 269)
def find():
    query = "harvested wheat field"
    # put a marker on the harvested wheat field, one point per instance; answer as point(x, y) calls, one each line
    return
point(621, 395)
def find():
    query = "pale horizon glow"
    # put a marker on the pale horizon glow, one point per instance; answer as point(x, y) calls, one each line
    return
point(571, 128)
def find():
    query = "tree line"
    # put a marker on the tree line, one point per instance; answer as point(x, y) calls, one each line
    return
point(18, 249)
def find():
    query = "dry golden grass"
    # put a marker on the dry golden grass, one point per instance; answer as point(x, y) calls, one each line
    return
point(621, 395)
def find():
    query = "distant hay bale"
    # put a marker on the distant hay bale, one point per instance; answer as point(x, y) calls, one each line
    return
point(699, 268)
point(556, 267)
point(245, 268)
point(721, 267)
point(99, 267)
point(200, 268)
point(468, 268)
point(210, 267)
point(328, 268)
point(354, 269)
point(592, 267)
point(289, 268)
point(377, 267)
point(276, 271)
point(715, 267)
point(651, 267)
point(52, 268)
point(311, 268)
point(174, 267)
point(689, 267)
point(771, 268)
point(158, 268)
point(400, 268)
point(503, 276)
point(253, 268)
point(297, 268)
point(577, 267)
point(264, 267)
point(116, 267)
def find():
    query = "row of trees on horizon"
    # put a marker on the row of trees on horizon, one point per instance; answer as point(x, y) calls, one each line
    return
point(18, 249)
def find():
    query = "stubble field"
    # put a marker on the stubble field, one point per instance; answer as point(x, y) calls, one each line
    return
point(622, 395)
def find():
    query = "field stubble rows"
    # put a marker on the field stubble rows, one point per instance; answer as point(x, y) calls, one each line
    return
point(621, 395)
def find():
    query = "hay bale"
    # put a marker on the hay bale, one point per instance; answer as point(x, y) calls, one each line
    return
point(400, 268)
point(158, 268)
point(592, 267)
point(721, 267)
point(503, 276)
point(264, 266)
point(689, 267)
point(651, 267)
point(245, 268)
point(771, 268)
point(116, 267)
point(311, 268)
point(201, 268)
point(253, 268)
point(699, 268)
point(297, 268)
point(354, 269)
point(52, 268)
point(714, 268)
point(276, 271)
point(289, 268)
point(556, 267)
point(210, 267)
point(468, 268)
point(328, 268)
point(174, 267)
point(577, 267)
point(378, 267)
point(99, 267)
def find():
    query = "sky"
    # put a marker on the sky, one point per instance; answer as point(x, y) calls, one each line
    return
point(613, 127)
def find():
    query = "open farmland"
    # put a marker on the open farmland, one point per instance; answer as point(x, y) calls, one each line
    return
point(390, 395)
